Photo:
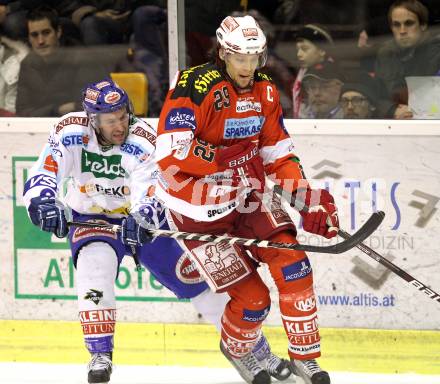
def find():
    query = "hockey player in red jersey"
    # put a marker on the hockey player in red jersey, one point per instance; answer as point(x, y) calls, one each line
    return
point(220, 134)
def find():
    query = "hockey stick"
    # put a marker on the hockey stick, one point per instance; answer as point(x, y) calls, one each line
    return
point(365, 231)
point(394, 268)
point(376, 256)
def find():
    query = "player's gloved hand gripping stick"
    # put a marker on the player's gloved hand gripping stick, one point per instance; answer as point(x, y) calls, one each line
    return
point(370, 252)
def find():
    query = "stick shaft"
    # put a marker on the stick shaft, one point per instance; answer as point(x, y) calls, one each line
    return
point(193, 236)
point(363, 233)
point(394, 268)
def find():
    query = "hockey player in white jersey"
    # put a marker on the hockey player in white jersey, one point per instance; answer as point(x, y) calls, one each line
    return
point(107, 153)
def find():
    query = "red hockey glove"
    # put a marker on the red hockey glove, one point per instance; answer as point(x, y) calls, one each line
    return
point(321, 217)
point(245, 162)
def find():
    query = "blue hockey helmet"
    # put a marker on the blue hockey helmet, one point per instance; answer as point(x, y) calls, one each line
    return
point(104, 97)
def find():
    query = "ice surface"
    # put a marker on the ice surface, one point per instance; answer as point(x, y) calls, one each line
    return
point(32, 373)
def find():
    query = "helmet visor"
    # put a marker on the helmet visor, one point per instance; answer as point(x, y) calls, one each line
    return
point(256, 60)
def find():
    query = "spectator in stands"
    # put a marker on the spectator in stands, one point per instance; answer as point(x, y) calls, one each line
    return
point(47, 83)
point(322, 85)
point(362, 97)
point(412, 52)
point(64, 9)
point(12, 54)
point(312, 44)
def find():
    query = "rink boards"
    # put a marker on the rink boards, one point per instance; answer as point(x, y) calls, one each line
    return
point(385, 165)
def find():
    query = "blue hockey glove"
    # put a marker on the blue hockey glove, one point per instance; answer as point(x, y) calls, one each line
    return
point(49, 215)
point(134, 234)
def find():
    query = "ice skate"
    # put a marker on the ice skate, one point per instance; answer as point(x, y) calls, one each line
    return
point(278, 368)
point(248, 367)
point(310, 372)
point(100, 368)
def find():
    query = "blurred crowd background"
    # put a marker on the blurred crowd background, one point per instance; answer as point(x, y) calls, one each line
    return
point(347, 59)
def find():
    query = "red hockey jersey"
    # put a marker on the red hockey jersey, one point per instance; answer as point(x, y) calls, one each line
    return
point(202, 112)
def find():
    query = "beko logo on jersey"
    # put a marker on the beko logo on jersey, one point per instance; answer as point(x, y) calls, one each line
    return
point(244, 106)
point(241, 128)
point(180, 118)
point(297, 270)
point(92, 189)
point(102, 166)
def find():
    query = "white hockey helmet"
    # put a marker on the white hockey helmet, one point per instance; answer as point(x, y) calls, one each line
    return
point(242, 35)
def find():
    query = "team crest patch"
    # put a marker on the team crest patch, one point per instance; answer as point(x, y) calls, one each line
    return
point(221, 263)
point(186, 270)
point(112, 97)
point(50, 164)
point(229, 24)
point(94, 295)
point(250, 32)
point(84, 233)
point(91, 96)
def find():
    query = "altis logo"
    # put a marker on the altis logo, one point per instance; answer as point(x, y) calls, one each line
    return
point(108, 167)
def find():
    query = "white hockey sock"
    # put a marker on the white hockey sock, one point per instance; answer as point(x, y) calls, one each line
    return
point(95, 279)
point(211, 306)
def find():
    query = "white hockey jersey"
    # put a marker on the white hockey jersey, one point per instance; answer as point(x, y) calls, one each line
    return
point(110, 180)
